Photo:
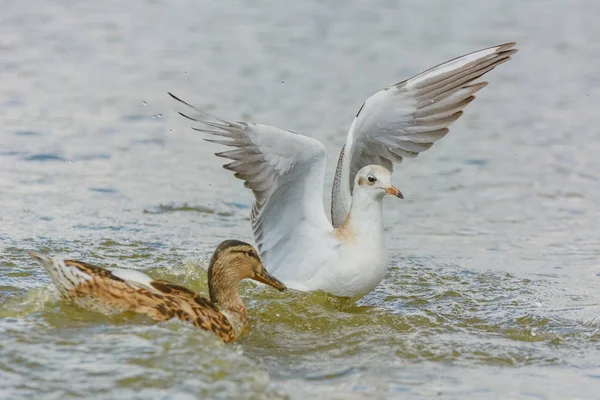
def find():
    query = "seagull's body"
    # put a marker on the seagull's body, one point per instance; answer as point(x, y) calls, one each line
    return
point(346, 257)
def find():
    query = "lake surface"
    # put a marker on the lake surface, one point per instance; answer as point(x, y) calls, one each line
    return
point(493, 291)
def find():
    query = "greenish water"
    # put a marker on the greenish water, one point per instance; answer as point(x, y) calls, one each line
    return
point(493, 290)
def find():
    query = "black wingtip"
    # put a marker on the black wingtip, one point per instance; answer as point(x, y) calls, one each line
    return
point(186, 116)
point(196, 109)
point(177, 98)
point(182, 101)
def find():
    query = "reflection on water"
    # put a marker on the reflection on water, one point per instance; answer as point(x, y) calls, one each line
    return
point(493, 287)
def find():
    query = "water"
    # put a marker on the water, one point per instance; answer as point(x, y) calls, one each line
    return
point(493, 289)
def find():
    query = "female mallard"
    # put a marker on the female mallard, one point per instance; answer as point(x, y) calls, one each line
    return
point(121, 290)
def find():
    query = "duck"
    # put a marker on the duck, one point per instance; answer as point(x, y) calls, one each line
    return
point(345, 255)
point(121, 290)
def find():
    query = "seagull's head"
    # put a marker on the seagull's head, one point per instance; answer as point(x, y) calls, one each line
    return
point(375, 181)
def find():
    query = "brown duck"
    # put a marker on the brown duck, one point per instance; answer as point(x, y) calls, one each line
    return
point(122, 290)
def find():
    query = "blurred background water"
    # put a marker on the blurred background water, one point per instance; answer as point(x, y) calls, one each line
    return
point(493, 288)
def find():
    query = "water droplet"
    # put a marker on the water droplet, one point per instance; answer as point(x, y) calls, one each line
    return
point(144, 103)
point(159, 115)
point(70, 161)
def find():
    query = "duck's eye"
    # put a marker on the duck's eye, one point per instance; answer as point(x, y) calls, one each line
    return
point(371, 179)
point(250, 253)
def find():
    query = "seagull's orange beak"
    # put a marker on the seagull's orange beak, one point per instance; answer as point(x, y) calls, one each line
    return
point(393, 190)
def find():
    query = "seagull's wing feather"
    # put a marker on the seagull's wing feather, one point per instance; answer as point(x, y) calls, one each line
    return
point(409, 117)
point(285, 171)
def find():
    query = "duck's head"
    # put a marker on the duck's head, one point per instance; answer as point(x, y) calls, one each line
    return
point(375, 182)
point(233, 261)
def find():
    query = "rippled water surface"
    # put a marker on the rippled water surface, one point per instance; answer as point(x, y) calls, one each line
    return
point(494, 285)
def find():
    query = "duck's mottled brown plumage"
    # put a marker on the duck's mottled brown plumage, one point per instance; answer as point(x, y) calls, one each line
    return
point(101, 290)
point(169, 300)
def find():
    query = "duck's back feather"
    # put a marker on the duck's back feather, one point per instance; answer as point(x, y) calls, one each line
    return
point(101, 290)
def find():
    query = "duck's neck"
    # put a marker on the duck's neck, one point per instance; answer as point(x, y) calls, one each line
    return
point(364, 221)
point(223, 289)
point(229, 300)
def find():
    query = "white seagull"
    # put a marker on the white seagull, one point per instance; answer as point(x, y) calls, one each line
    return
point(285, 170)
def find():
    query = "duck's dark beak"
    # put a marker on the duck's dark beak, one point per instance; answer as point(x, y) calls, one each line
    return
point(264, 277)
point(394, 191)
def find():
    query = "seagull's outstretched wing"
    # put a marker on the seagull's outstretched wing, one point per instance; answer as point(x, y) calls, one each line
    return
point(286, 172)
point(407, 118)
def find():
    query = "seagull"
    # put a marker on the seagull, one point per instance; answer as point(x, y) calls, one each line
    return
point(297, 243)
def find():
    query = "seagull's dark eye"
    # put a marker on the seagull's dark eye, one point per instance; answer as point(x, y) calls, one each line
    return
point(371, 179)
